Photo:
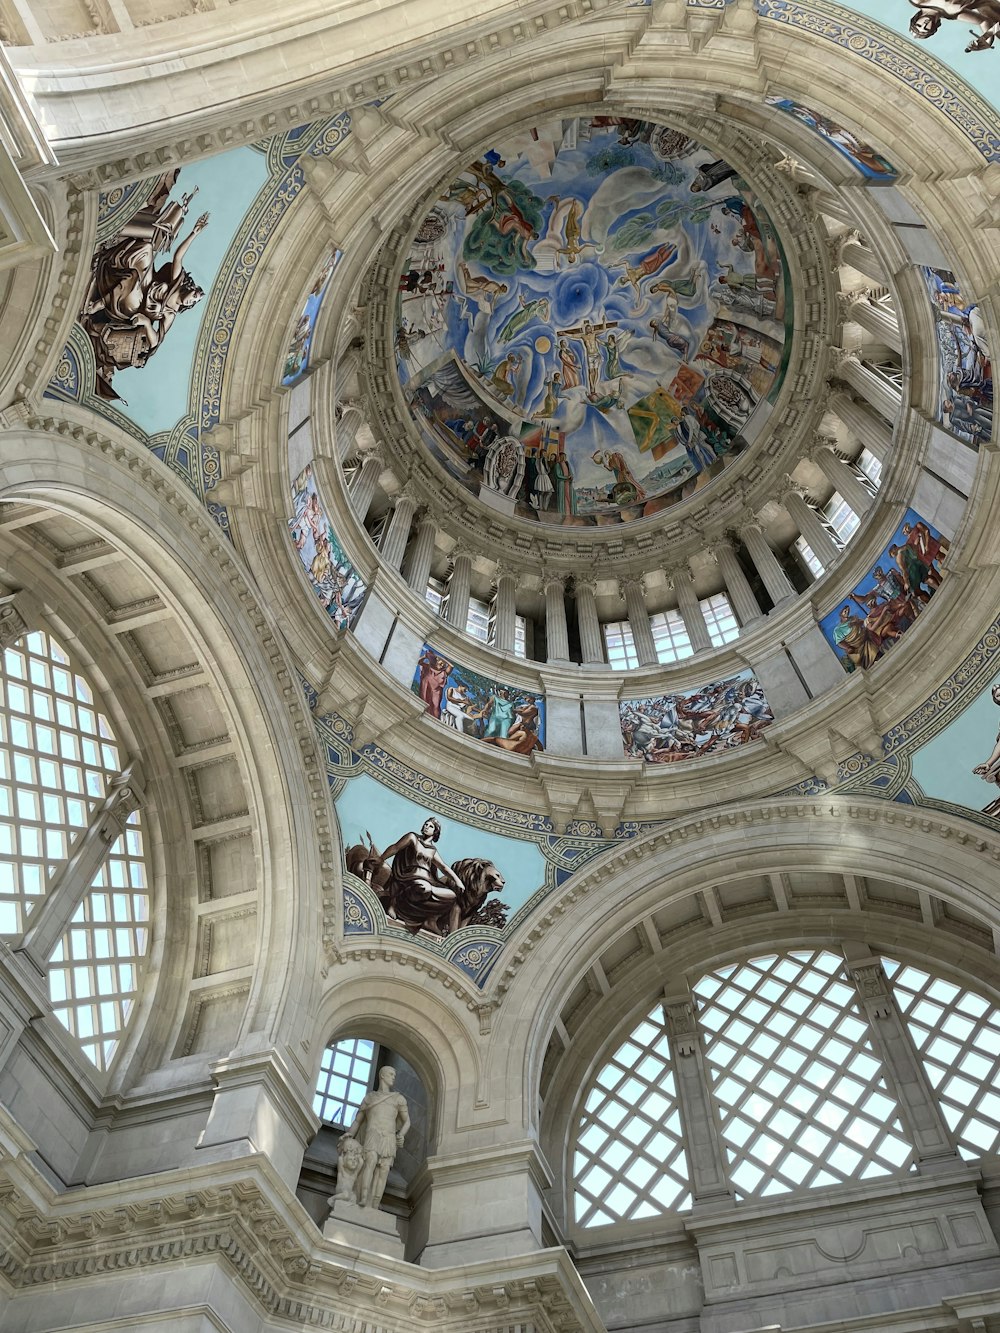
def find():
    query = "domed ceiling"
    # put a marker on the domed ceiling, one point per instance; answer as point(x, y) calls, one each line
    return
point(592, 321)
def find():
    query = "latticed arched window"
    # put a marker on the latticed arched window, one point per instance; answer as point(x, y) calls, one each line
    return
point(57, 756)
point(73, 878)
point(629, 1160)
point(957, 1035)
point(802, 1095)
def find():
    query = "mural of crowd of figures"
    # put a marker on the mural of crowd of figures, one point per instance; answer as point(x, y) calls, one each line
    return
point(860, 154)
point(297, 358)
point(965, 396)
point(675, 727)
point(339, 586)
point(590, 320)
point(889, 598)
point(430, 871)
point(504, 716)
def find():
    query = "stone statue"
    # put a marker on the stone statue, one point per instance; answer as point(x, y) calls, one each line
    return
point(350, 1160)
point(379, 1128)
point(503, 470)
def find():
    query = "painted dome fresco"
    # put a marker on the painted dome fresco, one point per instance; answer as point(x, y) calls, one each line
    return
point(593, 321)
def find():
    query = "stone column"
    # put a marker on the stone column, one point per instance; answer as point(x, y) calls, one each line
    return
point(874, 389)
point(591, 637)
point(417, 567)
point(842, 478)
point(456, 608)
point(362, 488)
point(505, 609)
point(905, 1075)
point(398, 532)
point(853, 252)
point(881, 323)
point(556, 629)
point(738, 590)
point(811, 526)
point(864, 424)
point(690, 608)
point(702, 1134)
point(830, 206)
point(766, 563)
point(634, 593)
point(349, 420)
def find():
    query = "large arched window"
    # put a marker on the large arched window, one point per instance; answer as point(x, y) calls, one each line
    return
point(60, 765)
point(801, 1092)
point(781, 1055)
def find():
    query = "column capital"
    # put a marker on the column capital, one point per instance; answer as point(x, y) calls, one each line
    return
point(677, 568)
point(839, 356)
point(585, 585)
point(860, 296)
point(787, 485)
point(751, 525)
point(722, 541)
point(504, 570)
point(554, 576)
point(13, 625)
point(836, 245)
point(682, 1025)
point(631, 582)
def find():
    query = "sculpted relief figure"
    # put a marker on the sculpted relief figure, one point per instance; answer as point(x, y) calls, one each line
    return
point(378, 1131)
point(132, 301)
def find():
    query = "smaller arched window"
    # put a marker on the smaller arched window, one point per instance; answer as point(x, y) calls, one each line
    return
point(60, 765)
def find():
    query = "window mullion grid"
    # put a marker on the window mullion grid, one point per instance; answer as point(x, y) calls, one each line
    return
point(629, 1158)
point(911, 1009)
point(73, 879)
point(790, 1122)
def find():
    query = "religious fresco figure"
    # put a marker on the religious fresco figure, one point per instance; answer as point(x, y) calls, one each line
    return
point(587, 262)
point(132, 301)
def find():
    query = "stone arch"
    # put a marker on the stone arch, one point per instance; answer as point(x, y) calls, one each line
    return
point(116, 489)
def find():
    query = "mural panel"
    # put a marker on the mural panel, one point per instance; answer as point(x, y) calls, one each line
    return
point(961, 764)
point(590, 319)
point(859, 153)
point(676, 727)
point(431, 872)
point(338, 584)
point(890, 597)
point(297, 360)
point(173, 261)
point(965, 401)
point(505, 716)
